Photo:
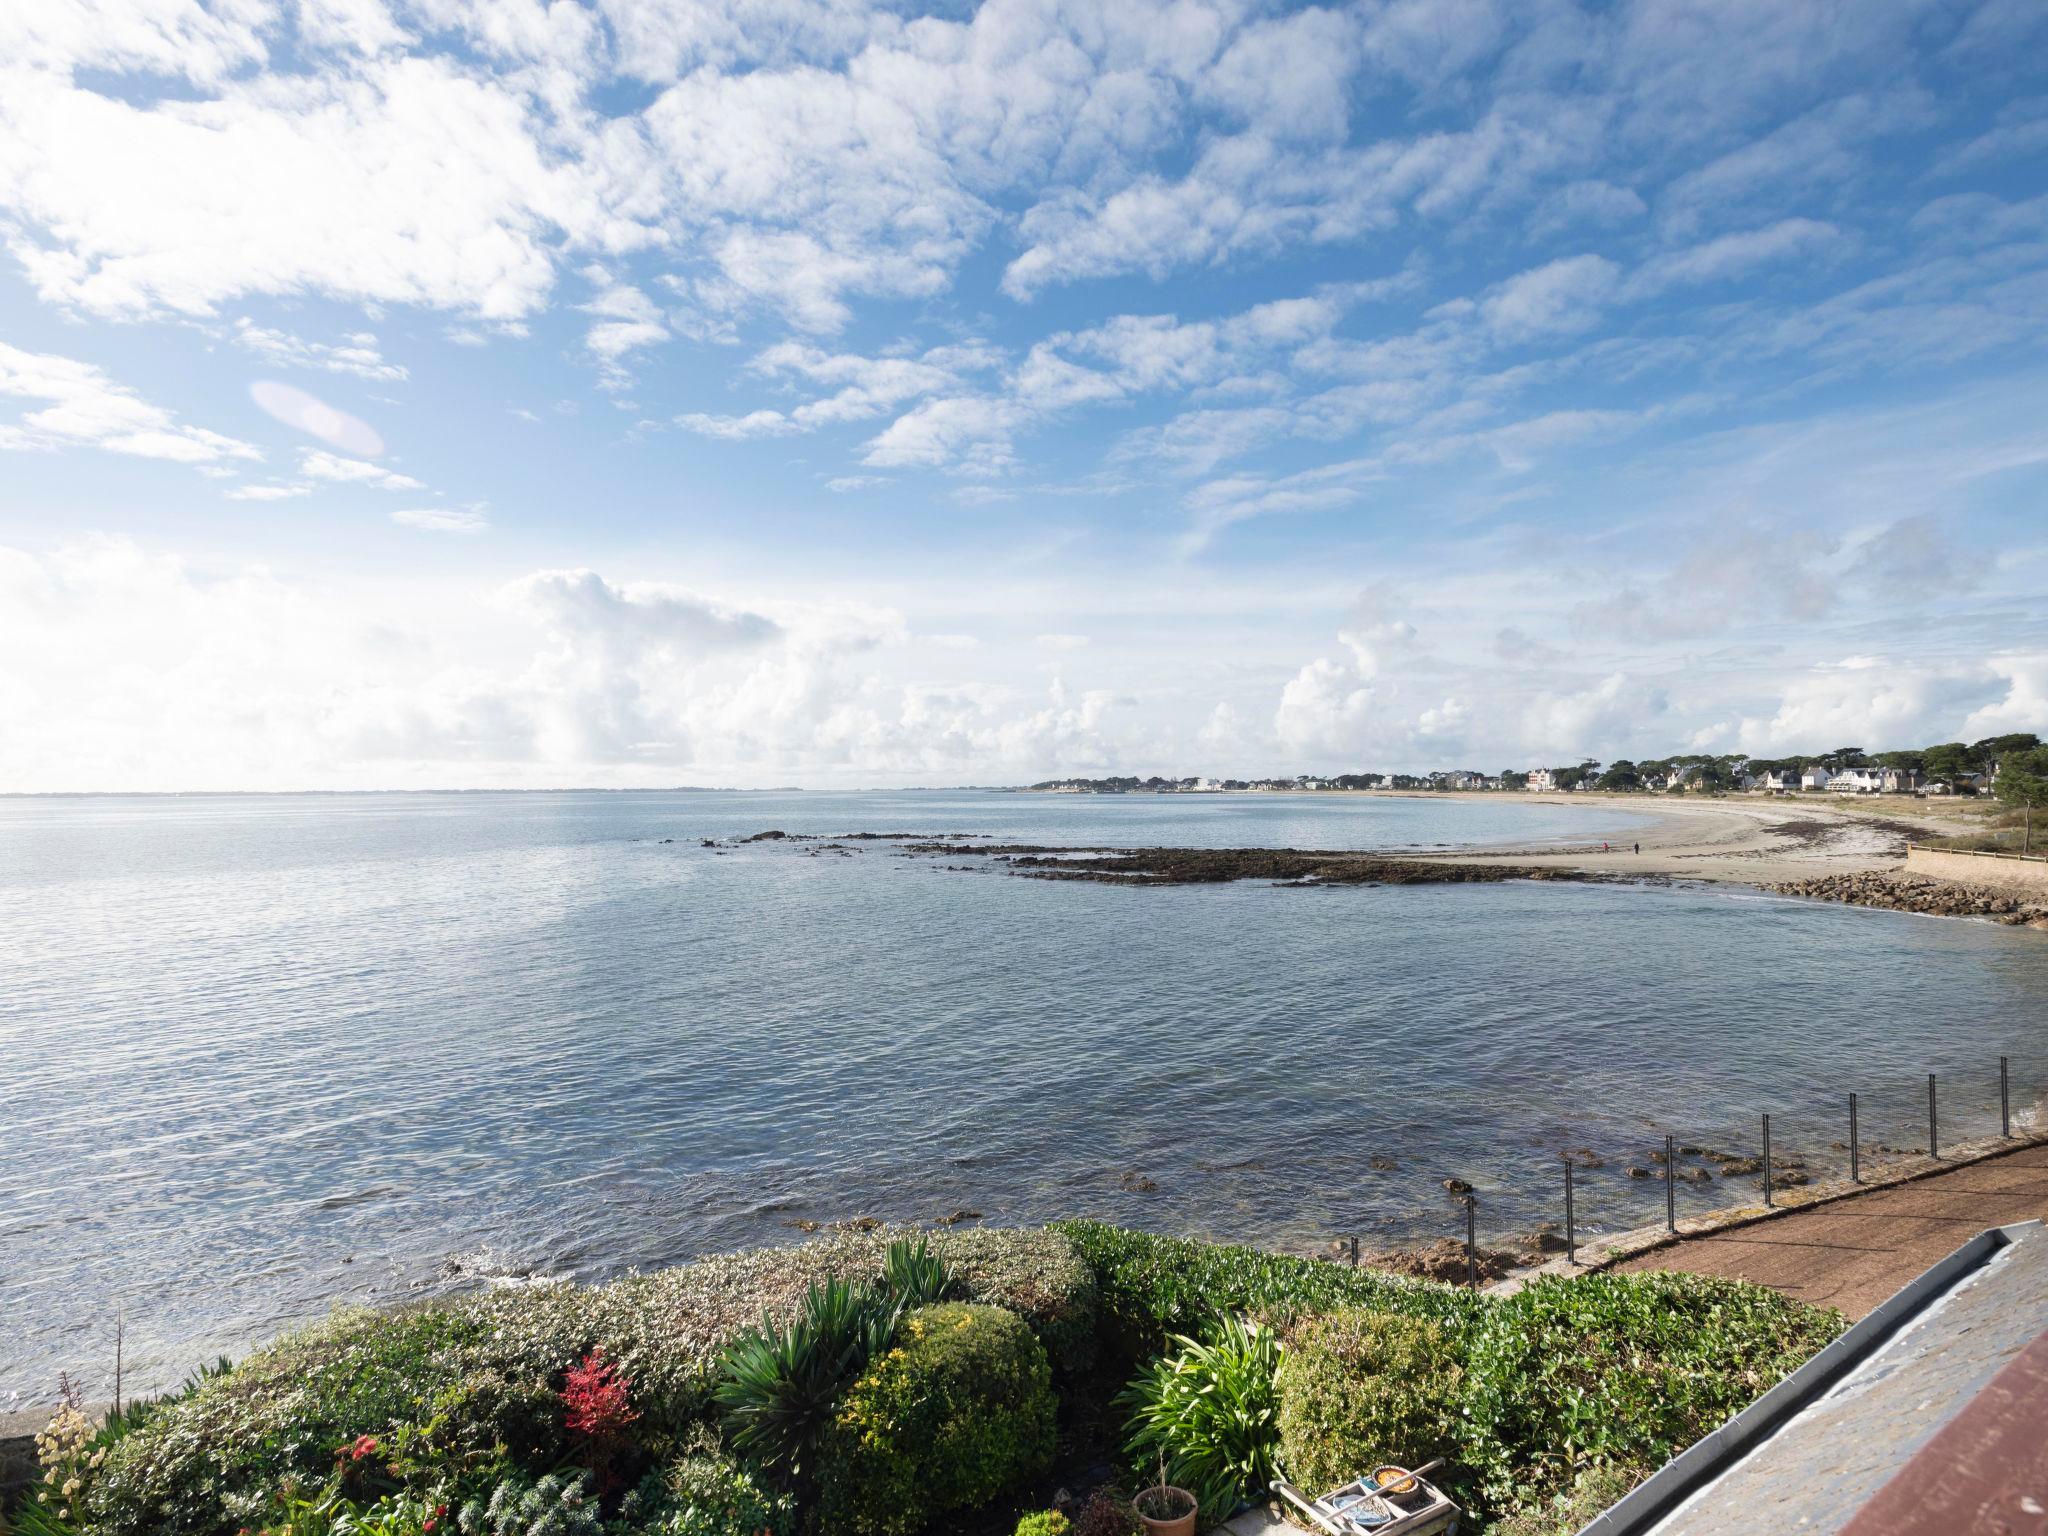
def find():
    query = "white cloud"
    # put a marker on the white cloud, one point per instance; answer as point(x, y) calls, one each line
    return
point(1559, 298)
point(737, 428)
point(267, 492)
point(319, 465)
point(402, 180)
point(355, 354)
point(442, 519)
point(81, 407)
point(1734, 255)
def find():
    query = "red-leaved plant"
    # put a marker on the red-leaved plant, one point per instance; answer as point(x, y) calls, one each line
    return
point(599, 1401)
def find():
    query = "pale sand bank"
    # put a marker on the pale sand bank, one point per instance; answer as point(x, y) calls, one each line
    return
point(1751, 840)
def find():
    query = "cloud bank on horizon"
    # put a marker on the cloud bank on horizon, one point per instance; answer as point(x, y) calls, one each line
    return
point(446, 392)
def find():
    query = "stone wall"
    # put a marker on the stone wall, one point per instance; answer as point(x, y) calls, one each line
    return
point(2004, 872)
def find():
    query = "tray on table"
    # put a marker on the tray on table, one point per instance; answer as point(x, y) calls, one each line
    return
point(1364, 1507)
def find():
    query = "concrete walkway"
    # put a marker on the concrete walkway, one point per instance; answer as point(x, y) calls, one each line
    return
point(1854, 1253)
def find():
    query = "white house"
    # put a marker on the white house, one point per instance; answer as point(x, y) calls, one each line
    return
point(1540, 780)
point(1857, 781)
point(1778, 778)
point(1815, 777)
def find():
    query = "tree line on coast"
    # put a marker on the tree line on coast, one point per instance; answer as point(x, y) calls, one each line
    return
point(2017, 758)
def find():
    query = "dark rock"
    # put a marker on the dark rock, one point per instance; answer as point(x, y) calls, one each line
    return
point(1379, 1162)
point(766, 837)
point(1137, 1183)
point(1635, 1172)
point(1457, 1186)
point(959, 1216)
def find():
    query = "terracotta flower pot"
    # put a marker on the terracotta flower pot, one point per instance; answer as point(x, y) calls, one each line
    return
point(1166, 1496)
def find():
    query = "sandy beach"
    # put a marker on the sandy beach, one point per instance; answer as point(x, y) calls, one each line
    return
point(1750, 840)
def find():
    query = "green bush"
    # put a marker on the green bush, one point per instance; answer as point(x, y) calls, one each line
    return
point(707, 1494)
point(472, 1381)
point(1573, 1510)
point(1360, 1389)
point(1046, 1523)
point(1210, 1411)
point(1153, 1288)
point(957, 1411)
point(1619, 1371)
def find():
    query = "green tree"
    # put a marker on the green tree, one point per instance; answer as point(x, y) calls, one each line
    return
point(1948, 760)
point(1621, 774)
point(1993, 749)
point(2023, 782)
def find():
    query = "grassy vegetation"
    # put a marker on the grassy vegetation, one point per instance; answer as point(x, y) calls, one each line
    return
point(848, 1386)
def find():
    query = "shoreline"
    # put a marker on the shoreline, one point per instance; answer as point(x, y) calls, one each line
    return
point(1756, 842)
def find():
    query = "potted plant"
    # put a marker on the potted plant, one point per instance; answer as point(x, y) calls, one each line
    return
point(1164, 1509)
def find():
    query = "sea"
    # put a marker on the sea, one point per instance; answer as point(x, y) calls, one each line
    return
point(261, 1056)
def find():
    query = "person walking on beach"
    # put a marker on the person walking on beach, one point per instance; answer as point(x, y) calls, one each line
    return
point(1639, 847)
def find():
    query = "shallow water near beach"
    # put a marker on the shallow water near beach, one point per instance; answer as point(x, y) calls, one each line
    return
point(260, 1055)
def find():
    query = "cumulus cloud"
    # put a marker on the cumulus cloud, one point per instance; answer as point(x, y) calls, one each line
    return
point(77, 406)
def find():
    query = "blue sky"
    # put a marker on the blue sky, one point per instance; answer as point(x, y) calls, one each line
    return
point(403, 393)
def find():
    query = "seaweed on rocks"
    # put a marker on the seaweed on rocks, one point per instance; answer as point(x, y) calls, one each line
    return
point(1210, 866)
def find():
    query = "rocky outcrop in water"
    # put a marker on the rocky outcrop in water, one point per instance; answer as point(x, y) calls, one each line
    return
point(1204, 866)
point(1898, 892)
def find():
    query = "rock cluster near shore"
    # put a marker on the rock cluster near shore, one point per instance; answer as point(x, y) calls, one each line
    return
point(1202, 866)
point(1899, 892)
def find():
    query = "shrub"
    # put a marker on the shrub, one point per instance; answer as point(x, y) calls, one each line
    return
point(1360, 1389)
point(1046, 1523)
point(782, 1385)
point(559, 1504)
point(1210, 1411)
point(1107, 1513)
point(1620, 1371)
point(210, 1462)
point(957, 1412)
point(705, 1493)
point(1573, 1510)
point(1155, 1287)
point(474, 1381)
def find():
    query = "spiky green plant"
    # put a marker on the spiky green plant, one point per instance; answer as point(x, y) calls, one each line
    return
point(779, 1385)
point(916, 1277)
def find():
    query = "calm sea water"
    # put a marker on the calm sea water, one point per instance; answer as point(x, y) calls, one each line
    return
point(262, 1055)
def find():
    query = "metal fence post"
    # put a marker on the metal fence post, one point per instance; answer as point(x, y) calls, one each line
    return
point(1354, 1253)
point(1571, 1234)
point(1670, 1184)
point(2004, 1101)
point(1855, 1161)
point(1471, 1242)
point(1933, 1145)
point(1767, 1160)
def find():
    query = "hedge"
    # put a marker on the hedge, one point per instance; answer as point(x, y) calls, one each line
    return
point(959, 1411)
point(1360, 1389)
point(459, 1379)
point(1576, 1374)
point(1153, 1288)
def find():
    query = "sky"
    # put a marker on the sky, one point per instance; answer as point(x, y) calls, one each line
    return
point(466, 393)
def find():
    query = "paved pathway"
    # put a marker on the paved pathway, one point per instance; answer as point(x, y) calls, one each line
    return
point(1854, 1253)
